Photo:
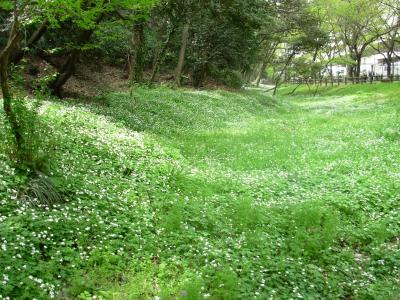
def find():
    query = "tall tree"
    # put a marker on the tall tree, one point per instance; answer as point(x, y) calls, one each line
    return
point(387, 44)
point(185, 11)
point(85, 17)
point(182, 52)
point(136, 55)
point(224, 38)
point(359, 24)
point(5, 54)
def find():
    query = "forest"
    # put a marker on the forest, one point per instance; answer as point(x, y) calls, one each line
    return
point(212, 149)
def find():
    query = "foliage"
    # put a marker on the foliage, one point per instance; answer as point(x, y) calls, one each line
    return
point(304, 67)
point(36, 140)
point(356, 24)
point(230, 78)
point(227, 42)
point(112, 42)
point(224, 38)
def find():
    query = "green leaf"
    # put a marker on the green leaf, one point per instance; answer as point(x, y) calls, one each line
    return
point(6, 5)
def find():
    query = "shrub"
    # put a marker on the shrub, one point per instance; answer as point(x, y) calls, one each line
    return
point(230, 78)
point(34, 151)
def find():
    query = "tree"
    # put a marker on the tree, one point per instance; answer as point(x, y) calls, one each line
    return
point(388, 43)
point(182, 51)
point(170, 18)
point(301, 34)
point(359, 24)
point(5, 54)
point(36, 17)
point(224, 39)
point(289, 28)
point(90, 14)
point(185, 10)
point(136, 55)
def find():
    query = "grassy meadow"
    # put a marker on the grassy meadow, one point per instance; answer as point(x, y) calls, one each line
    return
point(183, 194)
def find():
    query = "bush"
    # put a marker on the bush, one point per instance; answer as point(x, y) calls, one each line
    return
point(34, 151)
point(230, 78)
point(30, 156)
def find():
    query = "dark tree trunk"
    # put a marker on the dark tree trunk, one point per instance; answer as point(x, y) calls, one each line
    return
point(200, 69)
point(389, 65)
point(260, 72)
point(315, 54)
point(182, 51)
point(358, 66)
point(389, 69)
point(19, 54)
point(136, 57)
point(160, 56)
point(7, 104)
point(354, 70)
point(66, 71)
point(199, 74)
point(249, 74)
point(350, 70)
point(68, 68)
point(268, 55)
point(5, 54)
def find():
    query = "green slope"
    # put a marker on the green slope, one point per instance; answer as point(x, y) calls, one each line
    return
point(184, 194)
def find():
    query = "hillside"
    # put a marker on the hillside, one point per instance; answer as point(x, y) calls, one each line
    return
point(183, 194)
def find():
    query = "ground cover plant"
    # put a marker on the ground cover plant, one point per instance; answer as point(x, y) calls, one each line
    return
point(183, 194)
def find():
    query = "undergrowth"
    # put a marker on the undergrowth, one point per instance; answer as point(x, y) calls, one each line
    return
point(179, 194)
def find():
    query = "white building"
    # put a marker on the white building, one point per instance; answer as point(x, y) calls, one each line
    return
point(371, 64)
point(377, 65)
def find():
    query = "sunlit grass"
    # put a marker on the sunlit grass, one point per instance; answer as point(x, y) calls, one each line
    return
point(218, 195)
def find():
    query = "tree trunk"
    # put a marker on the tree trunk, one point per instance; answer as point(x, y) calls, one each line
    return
point(260, 72)
point(350, 72)
point(66, 71)
point(182, 51)
point(160, 56)
point(199, 74)
point(7, 104)
point(268, 55)
point(278, 79)
point(136, 58)
point(68, 68)
point(315, 56)
point(358, 66)
point(389, 65)
point(252, 74)
point(19, 54)
point(5, 54)
point(389, 69)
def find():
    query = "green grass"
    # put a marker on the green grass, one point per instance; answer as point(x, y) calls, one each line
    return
point(183, 194)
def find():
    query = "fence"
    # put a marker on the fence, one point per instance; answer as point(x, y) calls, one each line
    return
point(344, 80)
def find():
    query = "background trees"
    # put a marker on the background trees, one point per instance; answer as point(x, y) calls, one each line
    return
point(26, 23)
point(359, 24)
point(388, 43)
point(224, 42)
